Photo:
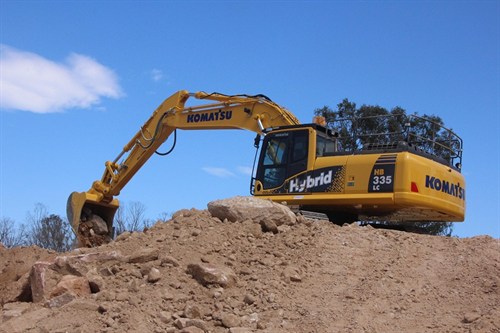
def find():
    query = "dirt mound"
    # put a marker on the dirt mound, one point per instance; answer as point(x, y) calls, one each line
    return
point(199, 273)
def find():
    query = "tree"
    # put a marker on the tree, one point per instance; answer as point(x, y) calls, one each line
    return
point(9, 235)
point(429, 228)
point(164, 217)
point(436, 228)
point(340, 121)
point(131, 217)
point(372, 125)
point(119, 222)
point(49, 231)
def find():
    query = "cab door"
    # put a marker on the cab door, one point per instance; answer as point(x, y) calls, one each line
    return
point(299, 150)
point(284, 155)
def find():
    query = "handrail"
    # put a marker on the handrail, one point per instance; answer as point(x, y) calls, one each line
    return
point(421, 133)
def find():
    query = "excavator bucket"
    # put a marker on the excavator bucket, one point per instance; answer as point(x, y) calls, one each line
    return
point(91, 219)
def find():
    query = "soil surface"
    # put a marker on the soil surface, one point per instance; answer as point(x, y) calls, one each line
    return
point(309, 276)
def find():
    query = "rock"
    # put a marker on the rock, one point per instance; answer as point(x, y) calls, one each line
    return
point(77, 264)
point(249, 299)
point(183, 323)
point(11, 310)
point(284, 228)
point(145, 268)
point(65, 265)
point(167, 295)
point(269, 226)
point(292, 273)
point(169, 260)
point(154, 275)
point(27, 322)
point(19, 291)
point(123, 236)
point(42, 281)
point(102, 309)
point(74, 285)
point(229, 320)
point(184, 213)
point(143, 256)
point(195, 232)
point(98, 225)
point(197, 323)
point(135, 272)
point(244, 208)
point(301, 219)
point(165, 317)
point(58, 301)
point(192, 312)
point(209, 274)
point(96, 282)
point(470, 317)
point(250, 320)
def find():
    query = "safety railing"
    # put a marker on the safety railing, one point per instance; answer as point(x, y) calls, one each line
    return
point(399, 131)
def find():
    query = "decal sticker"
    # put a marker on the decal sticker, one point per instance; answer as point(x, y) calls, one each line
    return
point(382, 176)
point(322, 180)
point(209, 116)
point(442, 185)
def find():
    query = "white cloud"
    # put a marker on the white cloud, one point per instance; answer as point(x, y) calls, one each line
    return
point(156, 75)
point(226, 173)
point(218, 172)
point(247, 171)
point(30, 82)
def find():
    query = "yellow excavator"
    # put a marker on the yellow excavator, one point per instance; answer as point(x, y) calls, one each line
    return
point(400, 177)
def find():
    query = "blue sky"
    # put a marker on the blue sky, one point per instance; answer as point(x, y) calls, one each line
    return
point(78, 78)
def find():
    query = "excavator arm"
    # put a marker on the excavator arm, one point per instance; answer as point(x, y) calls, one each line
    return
point(95, 209)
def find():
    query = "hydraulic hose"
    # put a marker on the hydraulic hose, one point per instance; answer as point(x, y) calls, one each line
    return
point(171, 149)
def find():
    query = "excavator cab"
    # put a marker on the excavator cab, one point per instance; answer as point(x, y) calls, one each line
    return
point(288, 154)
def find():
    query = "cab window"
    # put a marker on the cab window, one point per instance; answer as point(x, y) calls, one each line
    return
point(276, 151)
point(324, 146)
point(274, 163)
point(300, 146)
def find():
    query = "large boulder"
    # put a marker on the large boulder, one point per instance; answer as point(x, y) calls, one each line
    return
point(264, 212)
point(208, 274)
point(42, 280)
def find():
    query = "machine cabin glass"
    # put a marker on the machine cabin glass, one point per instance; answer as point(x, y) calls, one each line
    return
point(283, 155)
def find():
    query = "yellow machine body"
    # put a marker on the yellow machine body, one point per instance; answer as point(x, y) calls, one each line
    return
point(398, 184)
